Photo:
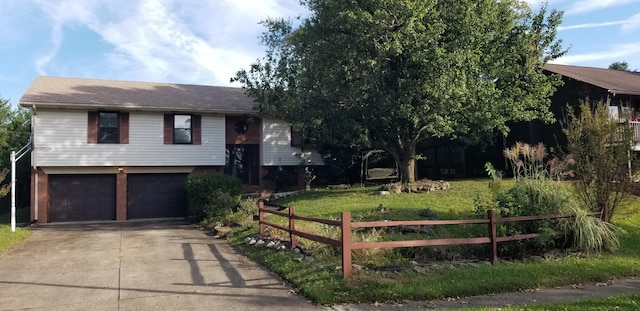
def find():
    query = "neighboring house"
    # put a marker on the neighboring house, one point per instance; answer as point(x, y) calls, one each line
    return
point(619, 90)
point(118, 150)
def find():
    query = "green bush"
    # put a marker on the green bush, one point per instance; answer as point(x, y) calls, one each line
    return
point(531, 197)
point(242, 214)
point(211, 196)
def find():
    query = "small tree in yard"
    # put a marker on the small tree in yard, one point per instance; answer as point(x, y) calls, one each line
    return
point(600, 146)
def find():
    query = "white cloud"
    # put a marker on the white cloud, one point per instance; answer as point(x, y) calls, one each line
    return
point(613, 53)
point(203, 42)
point(628, 24)
point(584, 6)
point(633, 23)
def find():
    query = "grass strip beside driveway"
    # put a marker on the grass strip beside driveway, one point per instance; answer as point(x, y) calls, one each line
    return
point(9, 239)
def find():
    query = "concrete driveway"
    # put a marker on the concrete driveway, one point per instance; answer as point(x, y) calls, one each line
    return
point(136, 266)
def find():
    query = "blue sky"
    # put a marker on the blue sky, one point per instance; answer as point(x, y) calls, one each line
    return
point(207, 41)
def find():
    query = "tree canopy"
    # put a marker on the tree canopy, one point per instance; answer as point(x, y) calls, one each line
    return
point(395, 72)
point(15, 129)
point(621, 66)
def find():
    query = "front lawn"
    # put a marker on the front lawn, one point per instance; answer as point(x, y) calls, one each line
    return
point(319, 280)
point(7, 238)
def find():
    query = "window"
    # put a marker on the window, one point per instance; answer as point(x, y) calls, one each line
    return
point(182, 129)
point(107, 127)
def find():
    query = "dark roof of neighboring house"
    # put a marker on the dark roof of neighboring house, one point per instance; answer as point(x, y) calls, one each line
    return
point(93, 93)
point(614, 81)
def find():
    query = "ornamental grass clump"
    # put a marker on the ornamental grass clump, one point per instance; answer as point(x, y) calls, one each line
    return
point(589, 233)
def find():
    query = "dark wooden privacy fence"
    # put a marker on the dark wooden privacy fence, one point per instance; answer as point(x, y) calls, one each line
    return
point(346, 226)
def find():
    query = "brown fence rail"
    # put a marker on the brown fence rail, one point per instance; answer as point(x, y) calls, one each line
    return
point(346, 226)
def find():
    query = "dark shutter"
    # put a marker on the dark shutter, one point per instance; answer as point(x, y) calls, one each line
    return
point(168, 129)
point(196, 128)
point(124, 127)
point(92, 128)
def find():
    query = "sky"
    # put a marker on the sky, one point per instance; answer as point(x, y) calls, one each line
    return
point(207, 41)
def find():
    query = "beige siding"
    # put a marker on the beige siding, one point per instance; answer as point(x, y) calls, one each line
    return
point(276, 144)
point(61, 140)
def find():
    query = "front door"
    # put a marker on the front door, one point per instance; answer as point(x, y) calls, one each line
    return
point(242, 161)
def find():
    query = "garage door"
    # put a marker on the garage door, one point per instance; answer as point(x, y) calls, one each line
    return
point(156, 196)
point(82, 197)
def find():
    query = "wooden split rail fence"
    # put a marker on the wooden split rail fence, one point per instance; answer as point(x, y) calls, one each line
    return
point(346, 226)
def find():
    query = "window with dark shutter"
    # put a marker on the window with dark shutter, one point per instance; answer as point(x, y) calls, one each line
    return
point(107, 127)
point(182, 129)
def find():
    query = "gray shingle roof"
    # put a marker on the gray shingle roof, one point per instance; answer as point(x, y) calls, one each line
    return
point(95, 93)
point(615, 81)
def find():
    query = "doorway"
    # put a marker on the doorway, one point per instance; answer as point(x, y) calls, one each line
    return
point(242, 161)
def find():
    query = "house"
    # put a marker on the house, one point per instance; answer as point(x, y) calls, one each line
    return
point(619, 90)
point(119, 150)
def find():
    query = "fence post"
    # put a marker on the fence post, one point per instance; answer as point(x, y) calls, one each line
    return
point(292, 226)
point(261, 216)
point(491, 215)
point(604, 210)
point(345, 227)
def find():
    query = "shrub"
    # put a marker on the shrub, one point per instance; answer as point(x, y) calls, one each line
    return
point(531, 197)
point(210, 196)
point(242, 214)
point(601, 149)
point(535, 193)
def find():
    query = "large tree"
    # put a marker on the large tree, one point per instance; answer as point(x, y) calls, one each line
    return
point(401, 71)
point(15, 129)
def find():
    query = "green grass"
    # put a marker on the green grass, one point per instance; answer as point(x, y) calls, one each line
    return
point(617, 303)
point(9, 239)
point(321, 283)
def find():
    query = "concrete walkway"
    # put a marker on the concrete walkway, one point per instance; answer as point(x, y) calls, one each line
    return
point(136, 266)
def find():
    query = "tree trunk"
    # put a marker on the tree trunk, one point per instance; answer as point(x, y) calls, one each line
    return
point(407, 169)
point(406, 161)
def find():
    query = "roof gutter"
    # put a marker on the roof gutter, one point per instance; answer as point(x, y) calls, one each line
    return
point(137, 108)
point(624, 92)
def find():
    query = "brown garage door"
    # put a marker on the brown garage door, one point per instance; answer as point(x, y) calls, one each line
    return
point(82, 197)
point(156, 196)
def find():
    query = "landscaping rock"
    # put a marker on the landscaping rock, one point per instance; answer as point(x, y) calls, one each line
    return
point(418, 186)
point(259, 243)
point(383, 192)
point(222, 230)
point(338, 187)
